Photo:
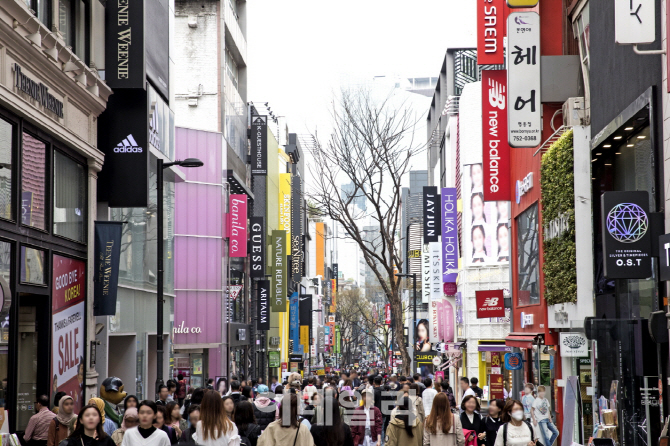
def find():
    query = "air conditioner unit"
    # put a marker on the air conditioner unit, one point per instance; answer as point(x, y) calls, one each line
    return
point(574, 112)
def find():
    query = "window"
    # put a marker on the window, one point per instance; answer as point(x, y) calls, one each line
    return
point(32, 266)
point(42, 10)
point(528, 252)
point(6, 143)
point(581, 27)
point(72, 18)
point(69, 198)
point(33, 175)
point(231, 68)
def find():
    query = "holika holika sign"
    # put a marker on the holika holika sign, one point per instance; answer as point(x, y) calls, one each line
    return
point(38, 91)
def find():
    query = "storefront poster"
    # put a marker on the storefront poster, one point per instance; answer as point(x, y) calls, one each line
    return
point(197, 366)
point(422, 336)
point(68, 316)
point(273, 359)
point(449, 216)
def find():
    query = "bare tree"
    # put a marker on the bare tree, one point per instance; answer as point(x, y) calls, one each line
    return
point(370, 148)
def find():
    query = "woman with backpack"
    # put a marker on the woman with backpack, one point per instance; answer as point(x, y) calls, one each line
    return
point(332, 432)
point(246, 423)
point(516, 431)
point(442, 428)
point(288, 430)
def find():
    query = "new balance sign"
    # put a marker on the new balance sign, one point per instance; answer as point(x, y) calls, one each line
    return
point(490, 303)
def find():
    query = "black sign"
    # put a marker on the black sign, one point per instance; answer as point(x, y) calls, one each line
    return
point(257, 246)
point(295, 358)
point(263, 305)
point(305, 309)
point(336, 273)
point(431, 214)
point(259, 145)
point(157, 39)
point(626, 235)
point(123, 137)
point(327, 287)
point(296, 230)
point(124, 44)
point(107, 257)
point(38, 91)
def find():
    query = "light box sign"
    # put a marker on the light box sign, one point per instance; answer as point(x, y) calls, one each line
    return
point(634, 21)
point(431, 214)
point(496, 153)
point(435, 278)
point(124, 44)
point(257, 247)
point(524, 114)
point(574, 344)
point(259, 145)
point(279, 277)
point(664, 257)
point(449, 214)
point(263, 305)
point(626, 235)
point(426, 277)
point(238, 225)
point(490, 32)
point(490, 303)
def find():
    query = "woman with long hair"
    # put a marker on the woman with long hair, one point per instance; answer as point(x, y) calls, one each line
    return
point(130, 419)
point(228, 406)
point(89, 430)
point(442, 427)
point(493, 421)
point(162, 418)
point(405, 428)
point(130, 401)
point(246, 421)
point(63, 425)
point(471, 420)
point(330, 429)
point(288, 429)
point(516, 428)
point(215, 428)
point(174, 419)
point(146, 434)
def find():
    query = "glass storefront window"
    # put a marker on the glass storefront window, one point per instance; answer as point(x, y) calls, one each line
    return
point(69, 198)
point(32, 266)
point(33, 182)
point(6, 142)
point(5, 277)
point(528, 254)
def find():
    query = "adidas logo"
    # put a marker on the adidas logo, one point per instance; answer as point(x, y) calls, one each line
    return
point(128, 145)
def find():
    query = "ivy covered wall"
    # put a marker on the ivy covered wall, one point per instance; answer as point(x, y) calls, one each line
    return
point(557, 181)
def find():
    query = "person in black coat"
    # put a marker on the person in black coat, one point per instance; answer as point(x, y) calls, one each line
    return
point(264, 411)
point(246, 422)
point(493, 421)
point(470, 419)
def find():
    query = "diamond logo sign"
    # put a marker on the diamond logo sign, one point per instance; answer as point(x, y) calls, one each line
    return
point(627, 222)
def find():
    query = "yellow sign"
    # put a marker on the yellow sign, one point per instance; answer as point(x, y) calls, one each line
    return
point(414, 253)
point(522, 3)
point(285, 208)
point(304, 336)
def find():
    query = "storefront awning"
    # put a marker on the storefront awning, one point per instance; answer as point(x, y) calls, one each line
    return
point(494, 348)
point(524, 340)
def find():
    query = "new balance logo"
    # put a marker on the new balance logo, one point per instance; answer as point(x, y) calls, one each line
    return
point(128, 145)
point(491, 302)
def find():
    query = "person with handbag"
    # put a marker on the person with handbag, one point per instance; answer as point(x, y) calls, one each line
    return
point(288, 430)
point(516, 431)
point(472, 421)
point(442, 428)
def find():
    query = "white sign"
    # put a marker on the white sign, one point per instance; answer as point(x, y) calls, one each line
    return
point(526, 320)
point(436, 293)
point(574, 344)
point(425, 271)
point(437, 361)
point(523, 186)
point(634, 21)
point(524, 113)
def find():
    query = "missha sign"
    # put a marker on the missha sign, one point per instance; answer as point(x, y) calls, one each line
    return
point(38, 91)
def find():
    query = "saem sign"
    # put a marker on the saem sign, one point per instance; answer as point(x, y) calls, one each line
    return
point(490, 32)
point(238, 225)
point(490, 304)
point(496, 165)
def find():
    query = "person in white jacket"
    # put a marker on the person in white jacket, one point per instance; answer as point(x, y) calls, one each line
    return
point(214, 427)
point(146, 433)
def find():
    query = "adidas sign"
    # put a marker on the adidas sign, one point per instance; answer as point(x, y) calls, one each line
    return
point(128, 145)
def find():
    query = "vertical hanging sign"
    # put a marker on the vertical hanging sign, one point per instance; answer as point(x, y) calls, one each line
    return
point(278, 292)
point(448, 212)
point(524, 115)
point(262, 305)
point(431, 214)
point(426, 275)
point(296, 230)
point(238, 225)
point(435, 252)
point(259, 145)
point(257, 247)
point(490, 32)
point(294, 322)
point(285, 207)
point(496, 156)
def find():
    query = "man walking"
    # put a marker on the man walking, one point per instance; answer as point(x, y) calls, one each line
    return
point(465, 389)
point(162, 396)
point(427, 396)
point(417, 381)
point(37, 431)
point(479, 393)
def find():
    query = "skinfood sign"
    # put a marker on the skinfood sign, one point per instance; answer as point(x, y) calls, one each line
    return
point(38, 91)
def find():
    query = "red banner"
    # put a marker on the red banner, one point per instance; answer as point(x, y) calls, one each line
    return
point(496, 153)
point(238, 225)
point(387, 314)
point(490, 32)
point(496, 387)
point(490, 304)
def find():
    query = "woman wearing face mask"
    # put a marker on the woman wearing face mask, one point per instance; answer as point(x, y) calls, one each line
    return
point(89, 431)
point(146, 433)
point(493, 421)
point(130, 420)
point(516, 431)
point(541, 413)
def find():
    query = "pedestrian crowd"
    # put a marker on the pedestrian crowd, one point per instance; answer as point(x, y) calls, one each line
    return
point(330, 410)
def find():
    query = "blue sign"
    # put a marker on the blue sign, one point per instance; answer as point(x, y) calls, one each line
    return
point(294, 323)
point(513, 361)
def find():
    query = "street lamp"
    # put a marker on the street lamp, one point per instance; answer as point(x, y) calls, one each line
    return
point(188, 162)
point(413, 276)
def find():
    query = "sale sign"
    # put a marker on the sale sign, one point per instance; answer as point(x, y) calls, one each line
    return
point(68, 315)
point(496, 153)
point(490, 32)
point(490, 303)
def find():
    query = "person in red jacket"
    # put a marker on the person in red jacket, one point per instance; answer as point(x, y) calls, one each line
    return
point(367, 421)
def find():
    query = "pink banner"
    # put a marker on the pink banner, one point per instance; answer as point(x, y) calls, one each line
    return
point(449, 327)
point(440, 319)
point(238, 225)
point(435, 322)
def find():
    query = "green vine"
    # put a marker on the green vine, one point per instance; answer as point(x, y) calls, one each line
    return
point(557, 181)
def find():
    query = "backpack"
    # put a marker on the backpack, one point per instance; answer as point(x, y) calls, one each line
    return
point(532, 433)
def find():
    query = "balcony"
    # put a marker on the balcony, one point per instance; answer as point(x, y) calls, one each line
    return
point(236, 41)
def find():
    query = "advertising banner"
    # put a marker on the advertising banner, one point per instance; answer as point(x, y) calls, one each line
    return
point(435, 322)
point(259, 145)
point(285, 207)
point(485, 225)
point(524, 116)
point(296, 230)
point(626, 235)
point(490, 32)
point(422, 336)
point(106, 269)
point(263, 305)
point(449, 215)
point(426, 276)
point(387, 314)
point(435, 252)
point(496, 387)
point(294, 322)
point(124, 44)
point(305, 317)
point(431, 215)
point(320, 340)
point(304, 337)
point(68, 309)
point(449, 326)
point(238, 225)
point(490, 303)
point(496, 151)
point(257, 247)
point(278, 303)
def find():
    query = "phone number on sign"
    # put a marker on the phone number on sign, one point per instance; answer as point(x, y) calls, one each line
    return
point(525, 138)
